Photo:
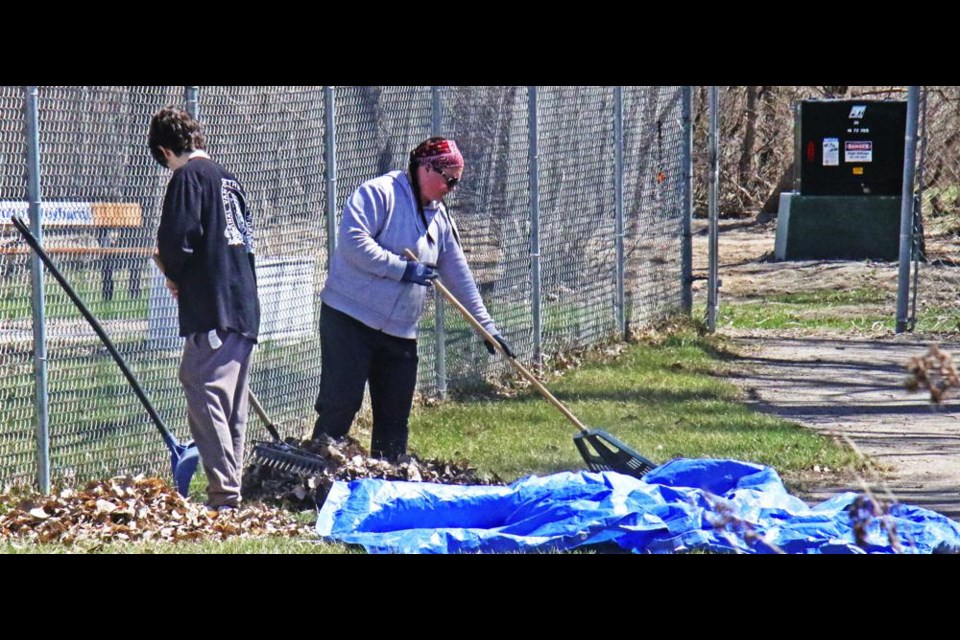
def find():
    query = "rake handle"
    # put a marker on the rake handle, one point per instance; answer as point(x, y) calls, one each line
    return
point(263, 415)
point(496, 345)
point(34, 244)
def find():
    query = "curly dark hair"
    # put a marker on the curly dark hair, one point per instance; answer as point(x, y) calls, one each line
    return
point(175, 129)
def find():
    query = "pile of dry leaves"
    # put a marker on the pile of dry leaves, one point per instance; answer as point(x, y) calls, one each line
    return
point(136, 508)
point(273, 482)
point(142, 508)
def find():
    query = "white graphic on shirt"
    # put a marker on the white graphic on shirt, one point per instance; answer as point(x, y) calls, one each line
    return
point(237, 229)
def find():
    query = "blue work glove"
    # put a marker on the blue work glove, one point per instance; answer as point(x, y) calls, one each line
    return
point(419, 273)
point(503, 343)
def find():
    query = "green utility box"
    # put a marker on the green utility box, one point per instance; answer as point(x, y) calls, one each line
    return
point(849, 175)
point(838, 228)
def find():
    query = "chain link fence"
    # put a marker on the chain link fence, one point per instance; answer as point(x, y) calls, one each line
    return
point(653, 190)
point(757, 153)
point(491, 207)
point(935, 303)
point(17, 442)
point(272, 139)
point(102, 195)
point(578, 267)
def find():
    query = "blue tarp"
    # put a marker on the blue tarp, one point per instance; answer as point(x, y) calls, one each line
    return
point(716, 505)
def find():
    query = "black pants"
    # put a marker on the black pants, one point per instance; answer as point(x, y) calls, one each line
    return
point(353, 354)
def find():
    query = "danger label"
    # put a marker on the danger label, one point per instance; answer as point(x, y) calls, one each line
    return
point(857, 151)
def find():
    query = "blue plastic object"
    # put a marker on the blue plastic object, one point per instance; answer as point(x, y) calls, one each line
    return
point(717, 505)
point(184, 460)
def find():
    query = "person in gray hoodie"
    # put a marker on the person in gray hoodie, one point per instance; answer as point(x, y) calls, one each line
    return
point(374, 295)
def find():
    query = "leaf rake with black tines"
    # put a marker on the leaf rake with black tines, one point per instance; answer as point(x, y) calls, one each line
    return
point(603, 452)
point(287, 458)
point(278, 454)
point(600, 450)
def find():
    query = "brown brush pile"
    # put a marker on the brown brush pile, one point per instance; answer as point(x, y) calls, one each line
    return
point(935, 372)
point(344, 459)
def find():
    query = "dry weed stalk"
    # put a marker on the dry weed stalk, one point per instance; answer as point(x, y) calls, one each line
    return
point(935, 372)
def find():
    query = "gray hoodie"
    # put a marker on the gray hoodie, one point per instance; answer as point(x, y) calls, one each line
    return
point(380, 220)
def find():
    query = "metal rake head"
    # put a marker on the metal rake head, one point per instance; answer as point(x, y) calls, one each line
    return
point(283, 457)
point(603, 452)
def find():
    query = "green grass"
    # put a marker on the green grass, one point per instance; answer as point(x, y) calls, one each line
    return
point(97, 425)
point(15, 300)
point(941, 202)
point(785, 315)
point(831, 297)
point(662, 401)
point(938, 319)
point(856, 311)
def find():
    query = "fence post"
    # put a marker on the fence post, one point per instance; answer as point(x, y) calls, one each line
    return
point(37, 297)
point(191, 100)
point(918, 245)
point(330, 160)
point(440, 340)
point(534, 161)
point(906, 208)
point(620, 304)
point(686, 199)
point(713, 286)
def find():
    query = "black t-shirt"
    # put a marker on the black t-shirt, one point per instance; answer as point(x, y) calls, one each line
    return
point(205, 240)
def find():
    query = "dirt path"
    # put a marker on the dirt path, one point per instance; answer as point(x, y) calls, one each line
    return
point(856, 388)
point(840, 383)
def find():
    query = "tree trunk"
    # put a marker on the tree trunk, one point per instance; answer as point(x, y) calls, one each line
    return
point(772, 203)
point(745, 166)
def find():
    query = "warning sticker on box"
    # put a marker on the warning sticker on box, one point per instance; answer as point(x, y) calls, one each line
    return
point(831, 152)
point(858, 151)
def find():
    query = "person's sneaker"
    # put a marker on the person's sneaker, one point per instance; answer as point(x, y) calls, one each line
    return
point(213, 512)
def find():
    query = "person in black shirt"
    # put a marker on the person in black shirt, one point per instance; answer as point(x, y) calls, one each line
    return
point(205, 247)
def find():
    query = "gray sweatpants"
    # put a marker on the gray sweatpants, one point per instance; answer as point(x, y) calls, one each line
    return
point(214, 374)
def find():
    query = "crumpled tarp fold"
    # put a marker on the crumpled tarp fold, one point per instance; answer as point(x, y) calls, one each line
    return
point(687, 504)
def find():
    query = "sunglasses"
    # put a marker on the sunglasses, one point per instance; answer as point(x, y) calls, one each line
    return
point(451, 181)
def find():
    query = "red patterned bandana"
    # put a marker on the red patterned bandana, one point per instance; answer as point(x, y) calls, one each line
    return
point(439, 152)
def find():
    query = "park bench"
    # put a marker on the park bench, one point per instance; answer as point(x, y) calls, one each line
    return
point(77, 230)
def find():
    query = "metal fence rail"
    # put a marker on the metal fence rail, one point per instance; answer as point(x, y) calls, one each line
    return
point(546, 178)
